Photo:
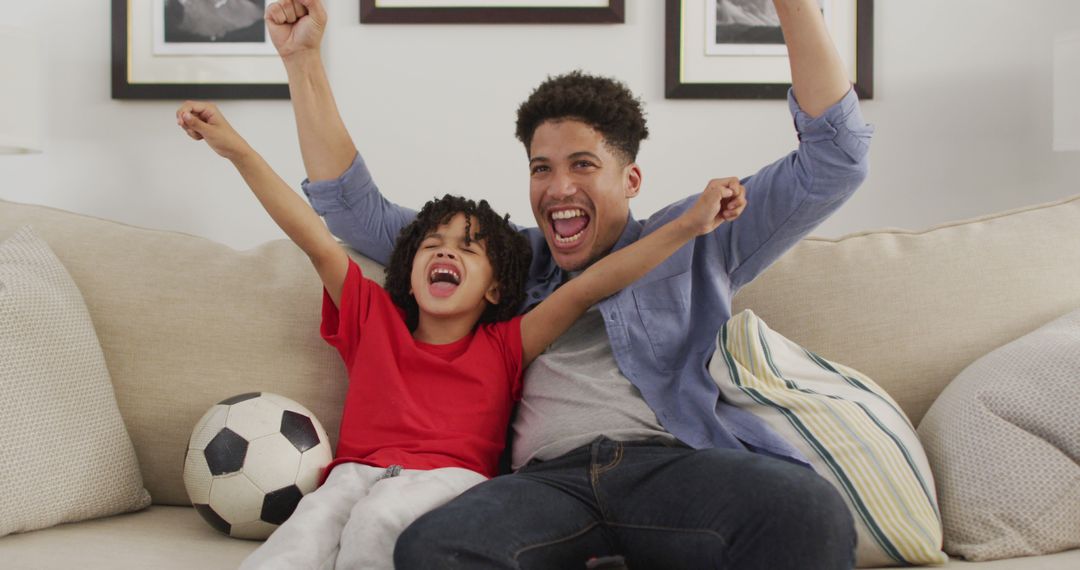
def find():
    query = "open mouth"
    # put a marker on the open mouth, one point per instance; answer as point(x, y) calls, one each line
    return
point(568, 226)
point(443, 280)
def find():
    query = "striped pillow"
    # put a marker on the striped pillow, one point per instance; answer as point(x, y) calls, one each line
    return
point(854, 434)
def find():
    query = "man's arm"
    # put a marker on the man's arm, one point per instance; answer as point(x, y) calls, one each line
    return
point(817, 72)
point(296, 29)
point(723, 200)
point(339, 186)
point(792, 196)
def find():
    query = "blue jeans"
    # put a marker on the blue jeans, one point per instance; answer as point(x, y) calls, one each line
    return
point(659, 506)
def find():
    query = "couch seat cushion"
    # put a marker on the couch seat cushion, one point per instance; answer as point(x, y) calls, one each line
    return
point(162, 538)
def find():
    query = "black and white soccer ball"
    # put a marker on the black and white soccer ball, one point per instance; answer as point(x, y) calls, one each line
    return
point(250, 460)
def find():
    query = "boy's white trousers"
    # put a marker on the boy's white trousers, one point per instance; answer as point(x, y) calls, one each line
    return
point(353, 520)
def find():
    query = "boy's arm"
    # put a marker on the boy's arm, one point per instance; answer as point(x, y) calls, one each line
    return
point(723, 200)
point(288, 210)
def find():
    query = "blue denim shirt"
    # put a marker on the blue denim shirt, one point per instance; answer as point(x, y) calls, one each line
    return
point(663, 327)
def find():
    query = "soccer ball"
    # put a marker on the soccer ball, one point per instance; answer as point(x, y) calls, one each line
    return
point(250, 460)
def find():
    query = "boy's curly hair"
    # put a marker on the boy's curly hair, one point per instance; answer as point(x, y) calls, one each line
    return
point(603, 103)
point(507, 250)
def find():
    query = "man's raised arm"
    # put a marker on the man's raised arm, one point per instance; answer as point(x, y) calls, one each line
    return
point(817, 72)
point(296, 28)
point(790, 197)
point(339, 186)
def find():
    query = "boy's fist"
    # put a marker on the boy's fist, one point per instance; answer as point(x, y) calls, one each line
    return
point(203, 121)
point(723, 200)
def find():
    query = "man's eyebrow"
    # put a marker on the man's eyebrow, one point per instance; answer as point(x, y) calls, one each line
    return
point(578, 154)
point(584, 153)
point(434, 235)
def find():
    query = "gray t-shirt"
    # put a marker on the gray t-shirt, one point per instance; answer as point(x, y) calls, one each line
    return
point(575, 393)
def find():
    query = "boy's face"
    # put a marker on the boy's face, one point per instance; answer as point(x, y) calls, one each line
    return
point(580, 191)
point(451, 278)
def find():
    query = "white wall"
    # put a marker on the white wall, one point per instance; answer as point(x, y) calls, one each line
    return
point(962, 111)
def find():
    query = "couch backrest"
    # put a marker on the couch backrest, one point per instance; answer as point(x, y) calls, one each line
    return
point(912, 309)
point(185, 322)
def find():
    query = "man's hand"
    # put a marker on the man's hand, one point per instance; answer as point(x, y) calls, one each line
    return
point(296, 26)
point(203, 121)
point(723, 200)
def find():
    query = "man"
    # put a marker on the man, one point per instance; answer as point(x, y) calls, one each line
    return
point(621, 442)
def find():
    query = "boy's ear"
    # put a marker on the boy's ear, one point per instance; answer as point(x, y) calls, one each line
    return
point(493, 294)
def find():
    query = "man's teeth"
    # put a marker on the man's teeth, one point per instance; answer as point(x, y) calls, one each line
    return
point(566, 214)
point(570, 239)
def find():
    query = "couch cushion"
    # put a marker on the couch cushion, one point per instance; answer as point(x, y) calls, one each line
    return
point(176, 538)
point(1004, 442)
point(162, 538)
point(64, 451)
point(853, 433)
point(911, 309)
point(185, 322)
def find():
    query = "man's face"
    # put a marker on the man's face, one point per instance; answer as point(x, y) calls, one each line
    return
point(579, 190)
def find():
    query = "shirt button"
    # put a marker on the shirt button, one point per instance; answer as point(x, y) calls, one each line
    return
point(535, 295)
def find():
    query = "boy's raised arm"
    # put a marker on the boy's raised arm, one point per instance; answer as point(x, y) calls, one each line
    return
point(723, 200)
point(203, 121)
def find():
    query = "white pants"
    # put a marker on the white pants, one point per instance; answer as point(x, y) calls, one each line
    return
point(354, 519)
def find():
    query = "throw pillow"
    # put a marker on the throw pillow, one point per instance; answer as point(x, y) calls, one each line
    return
point(852, 432)
point(64, 452)
point(1004, 441)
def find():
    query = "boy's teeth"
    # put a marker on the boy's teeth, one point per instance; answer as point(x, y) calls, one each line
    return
point(442, 271)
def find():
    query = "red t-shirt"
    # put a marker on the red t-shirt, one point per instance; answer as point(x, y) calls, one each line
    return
point(419, 405)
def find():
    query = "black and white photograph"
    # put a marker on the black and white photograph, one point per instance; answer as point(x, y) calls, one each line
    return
point(734, 49)
point(746, 27)
point(491, 12)
point(211, 27)
point(194, 49)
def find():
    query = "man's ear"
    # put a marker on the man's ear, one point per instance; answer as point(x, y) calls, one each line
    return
point(633, 179)
point(494, 293)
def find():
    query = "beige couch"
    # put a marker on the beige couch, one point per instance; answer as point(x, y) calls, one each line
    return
point(185, 322)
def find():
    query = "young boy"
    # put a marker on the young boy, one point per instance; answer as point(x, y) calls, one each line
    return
point(434, 360)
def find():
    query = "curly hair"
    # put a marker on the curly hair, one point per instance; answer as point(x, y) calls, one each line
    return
point(507, 250)
point(603, 103)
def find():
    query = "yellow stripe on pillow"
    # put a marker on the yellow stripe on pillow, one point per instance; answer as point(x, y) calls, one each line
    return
point(852, 432)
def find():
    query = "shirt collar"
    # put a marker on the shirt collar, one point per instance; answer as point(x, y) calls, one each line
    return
point(630, 233)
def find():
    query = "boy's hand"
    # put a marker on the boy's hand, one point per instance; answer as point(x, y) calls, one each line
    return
point(296, 26)
point(203, 121)
point(723, 200)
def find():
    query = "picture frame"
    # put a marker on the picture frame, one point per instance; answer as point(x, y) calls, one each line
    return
point(755, 71)
point(157, 55)
point(477, 12)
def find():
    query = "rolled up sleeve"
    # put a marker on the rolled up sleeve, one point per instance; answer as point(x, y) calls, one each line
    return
point(787, 199)
point(357, 213)
point(835, 145)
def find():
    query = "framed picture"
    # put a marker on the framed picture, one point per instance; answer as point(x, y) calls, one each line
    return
point(734, 49)
point(482, 12)
point(194, 49)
